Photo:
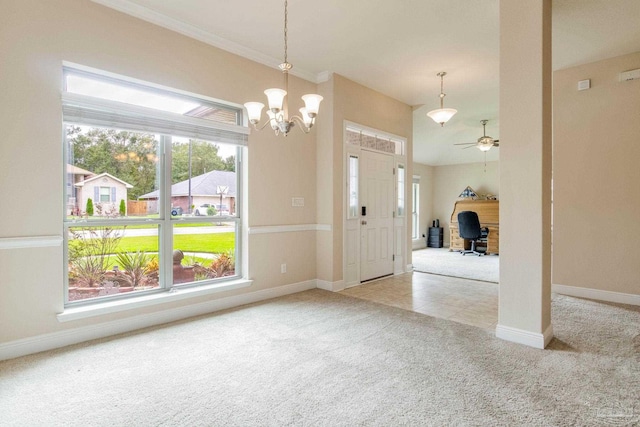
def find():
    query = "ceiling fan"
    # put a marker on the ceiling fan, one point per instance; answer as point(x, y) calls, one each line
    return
point(485, 142)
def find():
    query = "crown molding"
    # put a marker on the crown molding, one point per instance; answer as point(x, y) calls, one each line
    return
point(146, 14)
point(323, 76)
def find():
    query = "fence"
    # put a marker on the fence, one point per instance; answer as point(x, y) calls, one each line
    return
point(136, 207)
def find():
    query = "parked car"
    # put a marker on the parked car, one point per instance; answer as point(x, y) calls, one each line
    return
point(176, 211)
point(203, 209)
point(222, 210)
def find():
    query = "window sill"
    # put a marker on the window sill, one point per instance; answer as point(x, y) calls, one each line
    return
point(176, 294)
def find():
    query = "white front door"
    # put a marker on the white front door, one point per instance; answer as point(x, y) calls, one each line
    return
point(376, 225)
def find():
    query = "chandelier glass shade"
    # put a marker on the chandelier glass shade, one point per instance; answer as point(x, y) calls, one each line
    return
point(442, 115)
point(278, 111)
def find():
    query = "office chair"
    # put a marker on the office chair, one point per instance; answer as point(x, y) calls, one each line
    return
point(469, 228)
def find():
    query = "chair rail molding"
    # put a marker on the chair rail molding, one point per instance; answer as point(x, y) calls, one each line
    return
point(264, 229)
point(30, 242)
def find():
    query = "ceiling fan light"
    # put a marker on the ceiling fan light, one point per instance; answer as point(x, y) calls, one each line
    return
point(484, 147)
point(442, 115)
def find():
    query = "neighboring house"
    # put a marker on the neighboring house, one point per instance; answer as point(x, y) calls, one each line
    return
point(79, 175)
point(104, 190)
point(217, 188)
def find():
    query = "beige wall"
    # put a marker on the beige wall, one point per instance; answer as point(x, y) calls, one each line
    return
point(356, 103)
point(37, 36)
point(596, 148)
point(34, 46)
point(449, 181)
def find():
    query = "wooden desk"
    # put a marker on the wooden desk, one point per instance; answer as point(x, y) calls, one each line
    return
point(489, 215)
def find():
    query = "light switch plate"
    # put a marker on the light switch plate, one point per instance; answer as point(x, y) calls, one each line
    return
point(297, 201)
point(584, 84)
point(630, 75)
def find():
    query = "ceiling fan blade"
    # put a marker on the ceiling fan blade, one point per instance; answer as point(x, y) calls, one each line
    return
point(495, 144)
point(496, 140)
point(466, 143)
point(471, 146)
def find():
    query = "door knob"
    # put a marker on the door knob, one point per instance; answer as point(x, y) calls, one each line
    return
point(363, 222)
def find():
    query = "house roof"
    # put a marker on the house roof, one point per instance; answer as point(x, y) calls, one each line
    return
point(202, 185)
point(75, 170)
point(102, 175)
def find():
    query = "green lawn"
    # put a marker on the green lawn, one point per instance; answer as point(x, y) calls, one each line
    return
point(214, 243)
point(176, 223)
point(209, 243)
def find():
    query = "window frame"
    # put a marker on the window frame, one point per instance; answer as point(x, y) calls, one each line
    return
point(401, 184)
point(165, 223)
point(353, 186)
point(415, 209)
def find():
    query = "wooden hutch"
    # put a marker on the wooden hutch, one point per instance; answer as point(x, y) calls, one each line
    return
point(489, 215)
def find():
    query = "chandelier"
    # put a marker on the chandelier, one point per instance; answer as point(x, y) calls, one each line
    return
point(278, 111)
point(442, 115)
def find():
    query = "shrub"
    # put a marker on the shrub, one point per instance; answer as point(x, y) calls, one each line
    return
point(153, 265)
point(89, 208)
point(89, 250)
point(123, 208)
point(211, 211)
point(135, 266)
point(222, 264)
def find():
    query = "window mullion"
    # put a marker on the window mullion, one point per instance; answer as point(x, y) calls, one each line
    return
point(166, 228)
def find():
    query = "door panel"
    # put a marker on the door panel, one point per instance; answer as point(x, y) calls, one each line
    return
point(377, 225)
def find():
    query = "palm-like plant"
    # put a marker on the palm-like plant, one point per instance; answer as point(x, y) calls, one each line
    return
point(135, 266)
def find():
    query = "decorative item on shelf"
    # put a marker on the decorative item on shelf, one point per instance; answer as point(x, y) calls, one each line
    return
point(468, 193)
point(278, 111)
point(492, 197)
point(442, 115)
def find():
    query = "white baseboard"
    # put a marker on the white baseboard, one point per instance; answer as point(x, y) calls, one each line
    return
point(597, 294)
point(331, 286)
point(59, 339)
point(520, 336)
point(418, 244)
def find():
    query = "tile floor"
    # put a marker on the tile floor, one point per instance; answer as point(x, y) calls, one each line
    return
point(461, 300)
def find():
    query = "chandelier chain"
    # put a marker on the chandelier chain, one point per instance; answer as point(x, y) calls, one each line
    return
point(285, 30)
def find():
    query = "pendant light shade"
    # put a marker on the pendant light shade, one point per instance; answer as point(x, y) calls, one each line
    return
point(442, 115)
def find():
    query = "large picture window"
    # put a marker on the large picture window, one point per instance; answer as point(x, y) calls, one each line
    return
point(153, 188)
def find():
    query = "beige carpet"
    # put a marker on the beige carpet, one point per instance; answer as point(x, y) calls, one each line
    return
point(322, 359)
point(441, 261)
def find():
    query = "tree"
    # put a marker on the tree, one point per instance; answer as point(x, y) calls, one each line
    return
point(132, 156)
point(123, 208)
point(129, 156)
point(204, 158)
point(89, 208)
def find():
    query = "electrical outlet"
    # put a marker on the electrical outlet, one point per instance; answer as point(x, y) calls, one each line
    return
point(283, 268)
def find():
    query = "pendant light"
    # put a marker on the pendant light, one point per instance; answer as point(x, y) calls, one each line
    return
point(442, 115)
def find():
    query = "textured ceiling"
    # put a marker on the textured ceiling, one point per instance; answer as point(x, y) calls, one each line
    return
point(398, 47)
